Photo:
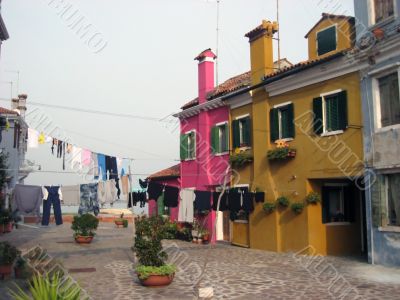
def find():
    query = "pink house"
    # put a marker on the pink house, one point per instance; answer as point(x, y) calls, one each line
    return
point(204, 137)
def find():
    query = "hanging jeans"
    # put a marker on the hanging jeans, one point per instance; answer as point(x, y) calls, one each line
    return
point(52, 199)
point(111, 167)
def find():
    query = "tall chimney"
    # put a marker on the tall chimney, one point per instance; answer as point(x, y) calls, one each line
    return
point(22, 105)
point(261, 50)
point(205, 73)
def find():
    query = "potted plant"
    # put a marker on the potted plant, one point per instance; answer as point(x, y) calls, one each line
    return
point(283, 201)
point(21, 269)
point(152, 269)
point(8, 254)
point(205, 235)
point(239, 160)
point(121, 221)
point(269, 207)
point(281, 153)
point(84, 228)
point(313, 198)
point(297, 208)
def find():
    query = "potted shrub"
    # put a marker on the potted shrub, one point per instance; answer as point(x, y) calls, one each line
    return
point(8, 254)
point(21, 269)
point(269, 207)
point(283, 201)
point(84, 228)
point(171, 230)
point(205, 235)
point(121, 221)
point(239, 160)
point(152, 269)
point(313, 198)
point(281, 153)
point(297, 208)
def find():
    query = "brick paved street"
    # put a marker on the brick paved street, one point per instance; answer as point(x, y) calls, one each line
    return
point(234, 273)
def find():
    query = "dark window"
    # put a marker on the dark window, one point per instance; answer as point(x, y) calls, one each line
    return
point(326, 40)
point(281, 122)
point(188, 146)
point(241, 132)
point(337, 204)
point(383, 9)
point(220, 138)
point(389, 99)
point(393, 190)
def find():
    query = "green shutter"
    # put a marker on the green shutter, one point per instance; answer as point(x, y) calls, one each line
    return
point(247, 131)
point(215, 140)
point(290, 124)
point(274, 124)
point(317, 109)
point(342, 107)
point(235, 134)
point(326, 40)
point(184, 145)
point(193, 145)
point(226, 148)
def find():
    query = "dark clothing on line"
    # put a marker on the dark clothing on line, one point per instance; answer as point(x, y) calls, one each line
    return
point(234, 201)
point(223, 206)
point(155, 189)
point(111, 166)
point(202, 201)
point(89, 200)
point(259, 197)
point(143, 183)
point(52, 199)
point(171, 195)
point(248, 205)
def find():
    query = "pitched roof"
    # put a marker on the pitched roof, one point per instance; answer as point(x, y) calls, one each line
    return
point(206, 53)
point(6, 111)
point(330, 16)
point(174, 171)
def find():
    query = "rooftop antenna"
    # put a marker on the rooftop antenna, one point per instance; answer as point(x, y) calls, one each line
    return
point(15, 72)
point(217, 44)
point(278, 38)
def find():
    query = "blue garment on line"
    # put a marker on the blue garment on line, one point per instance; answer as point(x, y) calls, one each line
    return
point(52, 199)
point(101, 161)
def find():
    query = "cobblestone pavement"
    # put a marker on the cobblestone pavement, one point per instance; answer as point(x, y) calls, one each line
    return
point(232, 272)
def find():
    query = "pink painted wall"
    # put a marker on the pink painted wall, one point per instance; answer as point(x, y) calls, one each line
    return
point(152, 203)
point(207, 170)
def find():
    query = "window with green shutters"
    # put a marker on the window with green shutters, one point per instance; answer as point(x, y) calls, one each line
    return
point(282, 122)
point(188, 146)
point(330, 113)
point(220, 138)
point(326, 40)
point(241, 132)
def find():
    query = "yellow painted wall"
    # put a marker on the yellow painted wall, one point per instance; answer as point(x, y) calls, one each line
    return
point(291, 178)
point(345, 36)
point(262, 62)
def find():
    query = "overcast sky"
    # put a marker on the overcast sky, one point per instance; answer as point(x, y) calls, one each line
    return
point(140, 62)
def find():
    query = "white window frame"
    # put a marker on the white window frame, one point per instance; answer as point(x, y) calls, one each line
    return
point(336, 38)
point(278, 106)
point(371, 14)
point(241, 130)
point(195, 145)
point(324, 131)
point(219, 125)
point(376, 97)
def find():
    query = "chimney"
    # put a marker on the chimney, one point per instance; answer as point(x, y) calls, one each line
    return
point(22, 105)
point(261, 50)
point(205, 73)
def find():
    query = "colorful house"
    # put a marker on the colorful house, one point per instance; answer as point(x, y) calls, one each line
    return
point(379, 57)
point(306, 145)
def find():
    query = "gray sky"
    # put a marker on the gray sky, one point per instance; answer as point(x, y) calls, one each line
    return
point(146, 67)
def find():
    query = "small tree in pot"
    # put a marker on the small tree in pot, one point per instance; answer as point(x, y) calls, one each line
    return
point(84, 228)
point(152, 269)
point(8, 254)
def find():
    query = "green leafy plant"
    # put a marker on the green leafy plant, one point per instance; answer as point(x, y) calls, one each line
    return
point(125, 221)
point(170, 230)
point(8, 253)
point(297, 207)
point(239, 160)
point(84, 225)
point(283, 201)
point(145, 271)
point(281, 153)
point(269, 207)
point(313, 198)
point(54, 287)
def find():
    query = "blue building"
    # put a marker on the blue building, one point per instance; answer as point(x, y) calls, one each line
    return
point(378, 54)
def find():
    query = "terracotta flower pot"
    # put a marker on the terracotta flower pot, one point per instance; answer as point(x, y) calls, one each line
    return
point(83, 239)
point(119, 222)
point(5, 270)
point(8, 227)
point(379, 33)
point(157, 280)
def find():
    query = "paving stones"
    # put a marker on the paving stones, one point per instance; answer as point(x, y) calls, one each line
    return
point(232, 272)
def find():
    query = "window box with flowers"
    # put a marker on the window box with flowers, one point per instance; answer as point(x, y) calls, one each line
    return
point(240, 158)
point(281, 152)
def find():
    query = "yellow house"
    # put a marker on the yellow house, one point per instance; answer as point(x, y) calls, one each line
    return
point(306, 146)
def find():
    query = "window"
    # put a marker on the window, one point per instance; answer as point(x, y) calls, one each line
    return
point(389, 100)
point(281, 122)
point(393, 199)
point(326, 40)
point(188, 145)
point(330, 112)
point(337, 203)
point(220, 138)
point(383, 9)
point(241, 132)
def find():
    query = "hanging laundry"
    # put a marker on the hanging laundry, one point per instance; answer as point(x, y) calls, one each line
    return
point(33, 138)
point(119, 163)
point(202, 201)
point(223, 206)
point(155, 189)
point(111, 167)
point(86, 157)
point(125, 166)
point(70, 195)
point(27, 199)
point(259, 197)
point(234, 200)
point(143, 184)
point(111, 191)
point(186, 206)
point(88, 199)
point(69, 148)
point(101, 159)
point(95, 165)
point(60, 149)
point(101, 192)
point(52, 197)
point(160, 205)
point(64, 146)
point(248, 204)
point(171, 195)
point(125, 184)
point(76, 154)
point(42, 138)
point(53, 145)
